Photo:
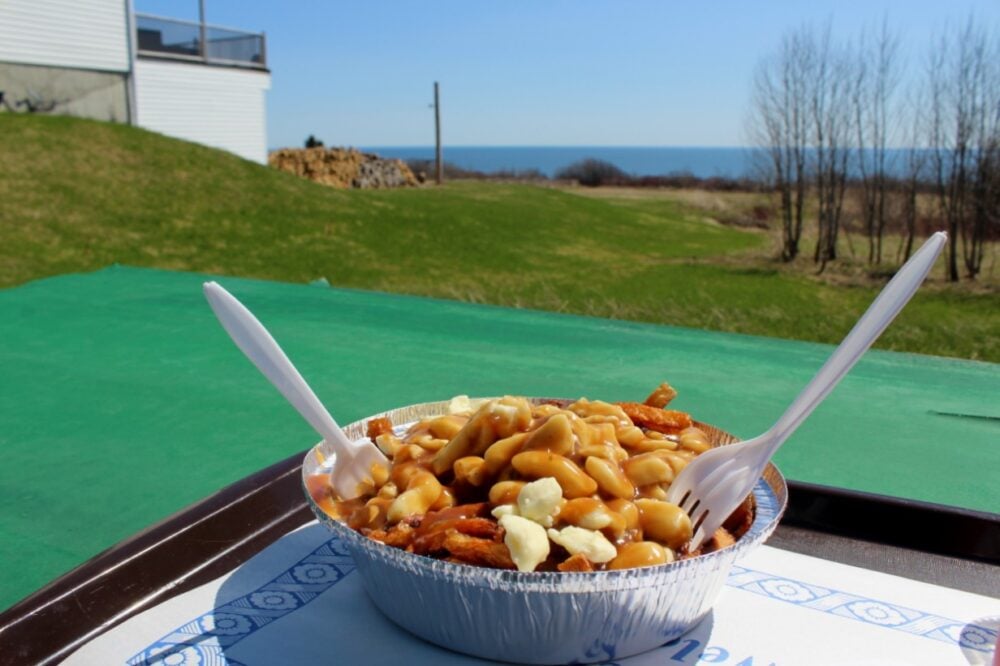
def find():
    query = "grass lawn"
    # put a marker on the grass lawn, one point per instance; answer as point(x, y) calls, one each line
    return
point(78, 195)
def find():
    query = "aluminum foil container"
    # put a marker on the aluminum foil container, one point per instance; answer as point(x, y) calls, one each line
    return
point(542, 617)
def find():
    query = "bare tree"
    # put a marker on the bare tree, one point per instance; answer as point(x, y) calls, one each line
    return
point(964, 95)
point(818, 104)
point(832, 126)
point(914, 169)
point(986, 182)
point(877, 75)
point(938, 95)
point(779, 127)
point(802, 122)
point(990, 208)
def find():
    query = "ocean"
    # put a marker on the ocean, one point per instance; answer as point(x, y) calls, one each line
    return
point(636, 161)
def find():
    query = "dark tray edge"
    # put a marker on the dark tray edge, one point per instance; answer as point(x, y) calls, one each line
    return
point(893, 521)
point(189, 548)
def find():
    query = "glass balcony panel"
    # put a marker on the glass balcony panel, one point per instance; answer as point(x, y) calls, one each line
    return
point(166, 37)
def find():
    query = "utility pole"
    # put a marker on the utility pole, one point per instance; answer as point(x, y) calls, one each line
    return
point(202, 46)
point(439, 165)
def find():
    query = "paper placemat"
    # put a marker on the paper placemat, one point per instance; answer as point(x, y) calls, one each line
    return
point(300, 602)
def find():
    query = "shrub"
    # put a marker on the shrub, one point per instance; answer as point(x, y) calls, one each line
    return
point(591, 173)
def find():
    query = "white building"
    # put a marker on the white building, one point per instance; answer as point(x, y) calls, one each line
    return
point(99, 59)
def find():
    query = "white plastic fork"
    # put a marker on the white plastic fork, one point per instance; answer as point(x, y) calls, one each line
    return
point(714, 484)
point(354, 460)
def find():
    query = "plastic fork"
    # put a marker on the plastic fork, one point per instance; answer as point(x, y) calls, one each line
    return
point(354, 460)
point(714, 484)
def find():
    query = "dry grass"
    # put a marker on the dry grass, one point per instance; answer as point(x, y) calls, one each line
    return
point(851, 268)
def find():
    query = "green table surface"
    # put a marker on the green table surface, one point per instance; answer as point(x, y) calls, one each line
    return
point(122, 400)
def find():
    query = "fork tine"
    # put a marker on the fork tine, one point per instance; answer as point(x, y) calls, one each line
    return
point(681, 491)
point(730, 491)
point(696, 519)
point(697, 524)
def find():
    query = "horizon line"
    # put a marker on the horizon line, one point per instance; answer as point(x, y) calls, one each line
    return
point(526, 145)
point(574, 146)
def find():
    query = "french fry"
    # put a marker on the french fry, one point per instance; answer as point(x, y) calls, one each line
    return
point(661, 396)
point(576, 562)
point(400, 535)
point(667, 421)
point(379, 426)
point(479, 552)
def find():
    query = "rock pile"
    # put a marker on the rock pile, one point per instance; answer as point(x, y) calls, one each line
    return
point(343, 167)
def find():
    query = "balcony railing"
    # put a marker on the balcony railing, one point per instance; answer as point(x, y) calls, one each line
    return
point(198, 42)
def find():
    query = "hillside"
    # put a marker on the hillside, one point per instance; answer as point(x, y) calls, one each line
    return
point(79, 195)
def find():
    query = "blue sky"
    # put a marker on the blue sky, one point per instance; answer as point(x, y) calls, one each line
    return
point(537, 72)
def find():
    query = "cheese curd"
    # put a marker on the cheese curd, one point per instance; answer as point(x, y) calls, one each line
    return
point(540, 501)
point(526, 540)
point(460, 404)
point(590, 543)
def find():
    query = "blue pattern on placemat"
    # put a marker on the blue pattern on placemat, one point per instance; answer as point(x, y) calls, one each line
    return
point(203, 640)
point(863, 609)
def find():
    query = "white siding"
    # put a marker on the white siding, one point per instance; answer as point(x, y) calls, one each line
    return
point(89, 34)
point(221, 107)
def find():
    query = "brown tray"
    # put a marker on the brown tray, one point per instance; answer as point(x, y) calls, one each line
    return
point(936, 544)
